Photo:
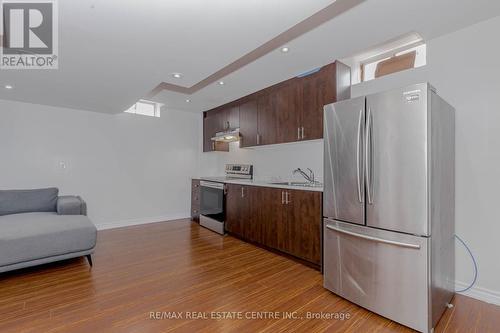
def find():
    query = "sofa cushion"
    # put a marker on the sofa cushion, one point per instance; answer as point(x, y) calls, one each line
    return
point(24, 201)
point(30, 236)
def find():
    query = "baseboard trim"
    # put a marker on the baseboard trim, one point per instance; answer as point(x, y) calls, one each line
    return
point(479, 293)
point(139, 221)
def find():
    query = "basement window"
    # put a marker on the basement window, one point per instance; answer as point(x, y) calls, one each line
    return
point(146, 108)
point(410, 58)
point(395, 55)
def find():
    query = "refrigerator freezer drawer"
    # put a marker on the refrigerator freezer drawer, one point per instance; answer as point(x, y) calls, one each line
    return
point(382, 271)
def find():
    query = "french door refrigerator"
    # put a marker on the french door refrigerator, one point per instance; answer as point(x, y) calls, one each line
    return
point(388, 228)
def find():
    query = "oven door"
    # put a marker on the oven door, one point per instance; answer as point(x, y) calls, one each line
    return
point(212, 206)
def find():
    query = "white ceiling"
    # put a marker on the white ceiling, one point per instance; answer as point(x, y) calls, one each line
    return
point(114, 52)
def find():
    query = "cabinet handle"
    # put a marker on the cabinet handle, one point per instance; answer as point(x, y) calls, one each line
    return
point(286, 197)
point(242, 192)
point(282, 197)
point(298, 133)
point(302, 132)
point(258, 139)
point(213, 145)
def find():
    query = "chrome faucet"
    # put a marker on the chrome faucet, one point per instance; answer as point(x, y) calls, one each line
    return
point(309, 177)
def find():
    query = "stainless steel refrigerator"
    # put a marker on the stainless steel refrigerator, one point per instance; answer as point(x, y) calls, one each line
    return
point(388, 228)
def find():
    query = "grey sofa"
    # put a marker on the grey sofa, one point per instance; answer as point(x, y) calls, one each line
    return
point(39, 226)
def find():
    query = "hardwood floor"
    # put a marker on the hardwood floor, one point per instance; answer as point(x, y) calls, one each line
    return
point(180, 267)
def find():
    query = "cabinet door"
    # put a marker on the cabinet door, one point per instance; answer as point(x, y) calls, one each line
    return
point(318, 90)
point(268, 210)
point(267, 123)
point(330, 84)
point(250, 207)
point(233, 117)
point(233, 198)
point(304, 225)
point(228, 118)
point(285, 104)
point(209, 125)
point(212, 123)
point(248, 123)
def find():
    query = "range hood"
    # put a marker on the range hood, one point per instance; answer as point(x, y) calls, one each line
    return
point(227, 136)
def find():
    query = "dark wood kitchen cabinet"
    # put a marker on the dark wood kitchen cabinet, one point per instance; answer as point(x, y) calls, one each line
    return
point(267, 121)
point(237, 209)
point(289, 111)
point(229, 118)
point(304, 224)
point(285, 103)
point(195, 199)
point(330, 84)
point(269, 214)
point(296, 224)
point(281, 219)
point(248, 123)
point(242, 212)
point(212, 123)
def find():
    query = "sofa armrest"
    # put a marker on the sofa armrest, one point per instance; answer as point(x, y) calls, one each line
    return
point(71, 205)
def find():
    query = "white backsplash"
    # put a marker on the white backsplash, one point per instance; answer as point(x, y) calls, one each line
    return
point(274, 162)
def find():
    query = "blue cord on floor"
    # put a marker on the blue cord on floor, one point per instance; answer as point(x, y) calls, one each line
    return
point(475, 266)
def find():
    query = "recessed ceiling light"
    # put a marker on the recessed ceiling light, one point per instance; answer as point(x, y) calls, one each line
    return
point(177, 75)
point(188, 100)
point(285, 49)
point(221, 83)
point(8, 86)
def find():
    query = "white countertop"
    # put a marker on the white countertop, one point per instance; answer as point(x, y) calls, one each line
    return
point(263, 183)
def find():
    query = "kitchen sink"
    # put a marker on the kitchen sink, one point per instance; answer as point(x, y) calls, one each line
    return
point(306, 184)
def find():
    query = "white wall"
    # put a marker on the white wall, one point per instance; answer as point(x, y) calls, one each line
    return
point(464, 66)
point(129, 168)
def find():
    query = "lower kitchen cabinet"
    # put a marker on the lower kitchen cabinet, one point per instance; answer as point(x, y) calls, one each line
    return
point(236, 209)
point(285, 220)
point(195, 200)
point(242, 215)
point(304, 223)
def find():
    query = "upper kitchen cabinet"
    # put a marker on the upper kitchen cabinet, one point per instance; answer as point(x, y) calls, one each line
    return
point(267, 121)
point(212, 123)
point(248, 123)
point(289, 111)
point(229, 118)
point(285, 104)
point(330, 84)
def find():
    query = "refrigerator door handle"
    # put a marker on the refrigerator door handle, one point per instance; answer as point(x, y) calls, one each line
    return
point(358, 160)
point(368, 156)
point(374, 239)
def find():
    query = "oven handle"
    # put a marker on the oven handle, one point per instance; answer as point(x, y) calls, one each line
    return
point(219, 186)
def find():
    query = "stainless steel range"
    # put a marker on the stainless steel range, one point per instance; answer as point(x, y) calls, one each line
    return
point(212, 196)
